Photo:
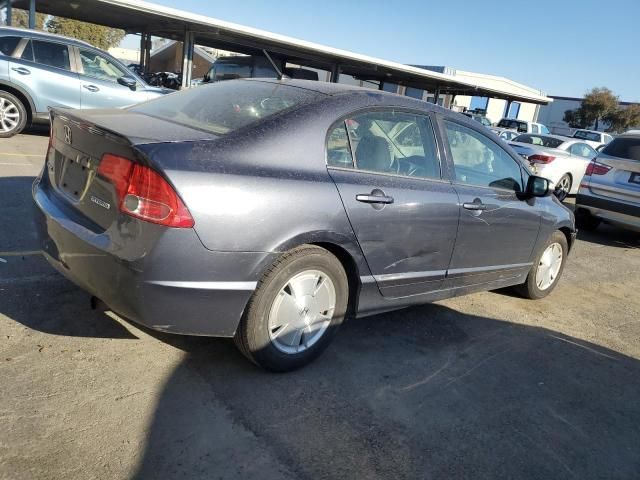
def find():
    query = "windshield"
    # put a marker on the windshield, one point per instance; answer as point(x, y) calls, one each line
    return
point(515, 124)
point(540, 140)
point(226, 106)
point(585, 135)
point(621, 147)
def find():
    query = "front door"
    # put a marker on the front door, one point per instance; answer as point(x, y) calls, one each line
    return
point(498, 229)
point(99, 83)
point(387, 170)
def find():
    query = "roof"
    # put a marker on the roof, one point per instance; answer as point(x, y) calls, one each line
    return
point(138, 17)
point(25, 32)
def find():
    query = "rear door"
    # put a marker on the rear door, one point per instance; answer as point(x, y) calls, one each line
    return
point(44, 69)
point(497, 230)
point(387, 170)
point(99, 82)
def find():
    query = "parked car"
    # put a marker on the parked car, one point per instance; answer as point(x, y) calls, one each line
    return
point(269, 211)
point(478, 118)
point(504, 133)
point(253, 66)
point(522, 126)
point(560, 159)
point(610, 190)
point(592, 137)
point(40, 70)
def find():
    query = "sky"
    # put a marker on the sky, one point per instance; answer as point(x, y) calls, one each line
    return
point(562, 47)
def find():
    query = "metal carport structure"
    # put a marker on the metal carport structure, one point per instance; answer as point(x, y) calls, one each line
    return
point(147, 19)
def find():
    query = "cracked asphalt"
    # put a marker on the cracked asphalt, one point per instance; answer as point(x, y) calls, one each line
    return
point(484, 386)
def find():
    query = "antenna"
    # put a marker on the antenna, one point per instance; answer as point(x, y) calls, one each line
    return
point(273, 64)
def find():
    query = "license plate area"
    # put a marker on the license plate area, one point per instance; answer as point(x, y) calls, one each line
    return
point(75, 178)
point(634, 178)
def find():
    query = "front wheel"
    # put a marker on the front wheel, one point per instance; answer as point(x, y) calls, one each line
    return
point(547, 269)
point(295, 310)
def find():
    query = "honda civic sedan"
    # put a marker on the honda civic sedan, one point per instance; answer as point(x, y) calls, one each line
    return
point(269, 211)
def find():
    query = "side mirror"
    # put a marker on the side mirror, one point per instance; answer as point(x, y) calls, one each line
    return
point(128, 82)
point(538, 187)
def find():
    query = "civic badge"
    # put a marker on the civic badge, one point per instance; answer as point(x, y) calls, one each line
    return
point(67, 134)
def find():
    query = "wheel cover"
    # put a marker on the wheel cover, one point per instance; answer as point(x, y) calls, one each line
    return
point(549, 266)
point(302, 311)
point(9, 115)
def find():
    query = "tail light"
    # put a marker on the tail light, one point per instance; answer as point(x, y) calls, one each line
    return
point(541, 158)
point(595, 168)
point(143, 193)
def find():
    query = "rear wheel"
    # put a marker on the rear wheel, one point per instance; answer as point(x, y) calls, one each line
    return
point(295, 310)
point(563, 187)
point(547, 269)
point(13, 115)
point(586, 221)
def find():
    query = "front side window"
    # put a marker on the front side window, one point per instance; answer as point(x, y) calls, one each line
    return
point(480, 161)
point(8, 45)
point(47, 53)
point(97, 66)
point(392, 142)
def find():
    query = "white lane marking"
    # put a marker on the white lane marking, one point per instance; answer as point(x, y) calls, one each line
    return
point(21, 254)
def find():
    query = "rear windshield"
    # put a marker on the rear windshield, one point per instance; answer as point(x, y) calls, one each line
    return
point(506, 123)
point(584, 135)
point(226, 106)
point(624, 148)
point(541, 140)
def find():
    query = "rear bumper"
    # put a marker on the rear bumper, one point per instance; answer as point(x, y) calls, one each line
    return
point(624, 214)
point(174, 284)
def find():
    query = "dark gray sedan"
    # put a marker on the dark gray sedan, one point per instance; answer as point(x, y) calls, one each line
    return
point(270, 211)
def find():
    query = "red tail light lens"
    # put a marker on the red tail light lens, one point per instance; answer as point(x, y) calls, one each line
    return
point(143, 193)
point(595, 168)
point(541, 159)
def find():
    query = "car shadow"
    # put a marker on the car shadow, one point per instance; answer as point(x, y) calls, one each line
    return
point(40, 130)
point(427, 392)
point(611, 236)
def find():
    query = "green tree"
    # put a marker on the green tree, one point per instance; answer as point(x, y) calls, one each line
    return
point(597, 104)
point(623, 118)
point(20, 18)
point(575, 118)
point(97, 35)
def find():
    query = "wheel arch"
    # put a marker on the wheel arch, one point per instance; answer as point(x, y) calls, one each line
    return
point(23, 96)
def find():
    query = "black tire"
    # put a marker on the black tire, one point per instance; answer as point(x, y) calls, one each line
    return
point(18, 108)
point(586, 221)
point(529, 289)
point(253, 336)
point(560, 193)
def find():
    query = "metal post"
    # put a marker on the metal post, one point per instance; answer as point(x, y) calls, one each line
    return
point(143, 50)
point(506, 113)
point(335, 74)
point(9, 13)
point(187, 58)
point(32, 14)
point(147, 53)
point(436, 95)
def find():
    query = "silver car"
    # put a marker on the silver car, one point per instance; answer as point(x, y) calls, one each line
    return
point(610, 190)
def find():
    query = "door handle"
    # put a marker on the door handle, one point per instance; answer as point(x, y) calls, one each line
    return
point(476, 205)
point(91, 88)
point(371, 198)
point(21, 70)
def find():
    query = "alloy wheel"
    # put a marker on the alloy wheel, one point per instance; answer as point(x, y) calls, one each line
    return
point(302, 311)
point(563, 187)
point(9, 115)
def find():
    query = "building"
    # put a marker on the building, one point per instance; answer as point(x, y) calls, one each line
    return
point(168, 58)
point(552, 115)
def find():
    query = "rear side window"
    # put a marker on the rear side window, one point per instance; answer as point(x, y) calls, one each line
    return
point(8, 45)
point(223, 107)
point(396, 143)
point(47, 53)
point(622, 147)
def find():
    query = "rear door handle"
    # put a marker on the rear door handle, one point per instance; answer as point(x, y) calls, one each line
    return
point(368, 198)
point(91, 88)
point(21, 70)
point(477, 206)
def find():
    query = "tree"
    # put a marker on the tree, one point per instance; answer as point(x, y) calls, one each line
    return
point(623, 118)
point(575, 118)
point(597, 104)
point(20, 18)
point(97, 35)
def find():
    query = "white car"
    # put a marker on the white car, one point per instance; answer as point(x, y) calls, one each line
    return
point(562, 160)
point(592, 137)
point(522, 126)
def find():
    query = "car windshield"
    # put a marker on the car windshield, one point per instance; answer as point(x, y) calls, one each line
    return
point(226, 106)
point(584, 135)
point(622, 147)
point(543, 141)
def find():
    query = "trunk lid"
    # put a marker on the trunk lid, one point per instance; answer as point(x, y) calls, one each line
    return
point(622, 182)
